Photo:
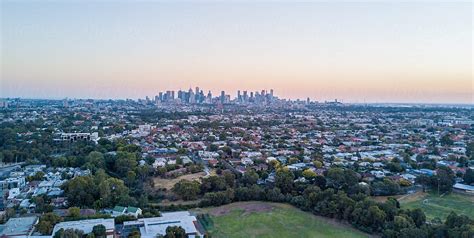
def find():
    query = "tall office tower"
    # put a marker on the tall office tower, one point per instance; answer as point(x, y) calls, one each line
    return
point(222, 96)
point(271, 93)
point(246, 97)
point(209, 97)
point(263, 93)
point(172, 95)
point(192, 97)
point(157, 99)
point(239, 97)
point(201, 97)
point(168, 96)
point(180, 95)
point(160, 95)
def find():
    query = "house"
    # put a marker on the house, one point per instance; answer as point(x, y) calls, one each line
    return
point(86, 226)
point(464, 188)
point(156, 226)
point(13, 193)
point(297, 166)
point(246, 161)
point(159, 162)
point(59, 202)
point(17, 182)
point(127, 211)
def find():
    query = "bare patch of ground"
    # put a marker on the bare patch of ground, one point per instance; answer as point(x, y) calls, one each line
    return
point(169, 183)
point(247, 207)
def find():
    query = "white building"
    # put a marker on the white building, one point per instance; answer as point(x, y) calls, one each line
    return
point(87, 225)
point(152, 227)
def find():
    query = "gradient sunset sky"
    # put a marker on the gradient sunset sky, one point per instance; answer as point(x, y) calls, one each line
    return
point(356, 52)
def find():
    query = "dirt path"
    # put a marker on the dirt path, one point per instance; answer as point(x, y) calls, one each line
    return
point(412, 197)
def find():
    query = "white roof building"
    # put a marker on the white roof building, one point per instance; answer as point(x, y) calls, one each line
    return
point(87, 225)
point(152, 227)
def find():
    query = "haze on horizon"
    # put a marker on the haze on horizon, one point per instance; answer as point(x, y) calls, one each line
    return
point(356, 52)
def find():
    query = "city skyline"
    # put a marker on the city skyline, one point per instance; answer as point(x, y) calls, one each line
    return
point(419, 53)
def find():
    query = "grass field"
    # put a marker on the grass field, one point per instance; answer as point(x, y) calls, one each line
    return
point(435, 206)
point(260, 219)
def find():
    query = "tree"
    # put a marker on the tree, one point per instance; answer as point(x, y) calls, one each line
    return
point(309, 174)
point(424, 180)
point(218, 198)
point(99, 231)
point(187, 190)
point(446, 140)
point(46, 223)
point(418, 217)
point(284, 180)
point(134, 234)
point(376, 216)
point(385, 187)
point(342, 179)
point(395, 167)
point(469, 176)
point(317, 164)
point(81, 191)
point(470, 150)
point(249, 178)
point(401, 222)
point(213, 184)
point(444, 179)
point(229, 178)
point(72, 233)
point(213, 147)
point(125, 162)
point(413, 232)
point(175, 232)
point(95, 160)
point(113, 191)
point(74, 212)
point(37, 177)
point(59, 233)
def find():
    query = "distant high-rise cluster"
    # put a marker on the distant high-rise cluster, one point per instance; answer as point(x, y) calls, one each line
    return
point(199, 97)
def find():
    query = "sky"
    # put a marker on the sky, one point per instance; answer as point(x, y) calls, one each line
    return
point(354, 51)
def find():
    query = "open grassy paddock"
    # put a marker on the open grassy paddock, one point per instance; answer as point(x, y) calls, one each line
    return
point(440, 206)
point(169, 183)
point(263, 219)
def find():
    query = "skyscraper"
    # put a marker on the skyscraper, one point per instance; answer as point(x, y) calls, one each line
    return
point(209, 97)
point(222, 97)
